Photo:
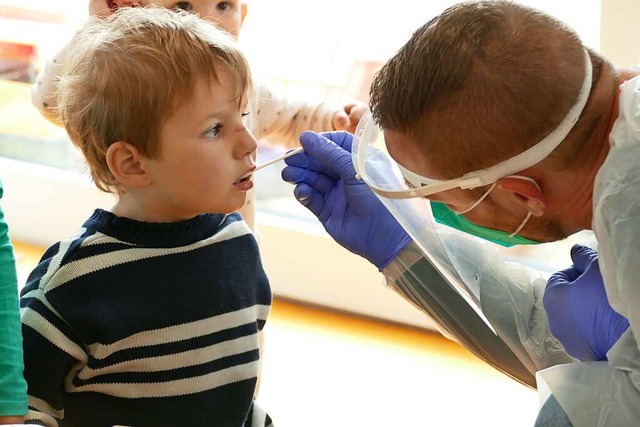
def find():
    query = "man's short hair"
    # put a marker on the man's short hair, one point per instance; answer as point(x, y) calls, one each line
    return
point(122, 76)
point(480, 83)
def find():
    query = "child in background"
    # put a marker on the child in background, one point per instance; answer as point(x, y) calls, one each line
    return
point(273, 118)
point(152, 314)
point(13, 388)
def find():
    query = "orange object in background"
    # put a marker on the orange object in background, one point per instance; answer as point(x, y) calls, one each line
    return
point(17, 62)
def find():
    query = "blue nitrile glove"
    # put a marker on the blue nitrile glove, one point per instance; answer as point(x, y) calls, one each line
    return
point(580, 316)
point(348, 209)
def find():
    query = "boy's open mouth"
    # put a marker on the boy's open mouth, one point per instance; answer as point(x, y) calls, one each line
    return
point(246, 177)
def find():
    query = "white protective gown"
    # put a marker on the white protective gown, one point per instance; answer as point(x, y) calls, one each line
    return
point(608, 393)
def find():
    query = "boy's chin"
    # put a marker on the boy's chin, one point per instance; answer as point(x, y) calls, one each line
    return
point(227, 209)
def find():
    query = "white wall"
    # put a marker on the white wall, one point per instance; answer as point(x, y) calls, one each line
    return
point(620, 23)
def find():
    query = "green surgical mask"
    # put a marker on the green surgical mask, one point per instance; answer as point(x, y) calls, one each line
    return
point(446, 216)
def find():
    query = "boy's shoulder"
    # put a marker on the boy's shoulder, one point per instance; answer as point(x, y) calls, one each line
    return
point(90, 240)
point(93, 248)
point(56, 258)
point(235, 218)
point(234, 226)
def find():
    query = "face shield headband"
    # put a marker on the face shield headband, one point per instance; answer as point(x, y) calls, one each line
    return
point(365, 147)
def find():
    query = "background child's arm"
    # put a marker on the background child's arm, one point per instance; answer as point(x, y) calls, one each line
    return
point(281, 120)
point(13, 388)
point(45, 89)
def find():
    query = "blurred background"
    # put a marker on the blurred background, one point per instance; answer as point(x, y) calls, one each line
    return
point(342, 349)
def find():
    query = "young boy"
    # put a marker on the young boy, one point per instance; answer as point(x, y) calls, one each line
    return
point(273, 118)
point(152, 314)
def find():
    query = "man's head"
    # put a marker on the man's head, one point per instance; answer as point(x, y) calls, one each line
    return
point(228, 15)
point(477, 85)
point(127, 75)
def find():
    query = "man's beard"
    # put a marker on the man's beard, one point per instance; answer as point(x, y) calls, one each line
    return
point(543, 230)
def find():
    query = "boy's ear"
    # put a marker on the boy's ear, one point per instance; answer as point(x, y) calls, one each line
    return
point(243, 11)
point(127, 165)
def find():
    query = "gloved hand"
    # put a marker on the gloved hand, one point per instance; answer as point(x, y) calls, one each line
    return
point(348, 209)
point(580, 316)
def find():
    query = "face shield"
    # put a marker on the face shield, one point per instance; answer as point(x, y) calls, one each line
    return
point(367, 158)
point(392, 182)
point(503, 285)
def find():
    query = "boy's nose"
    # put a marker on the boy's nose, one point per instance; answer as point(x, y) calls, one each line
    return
point(246, 143)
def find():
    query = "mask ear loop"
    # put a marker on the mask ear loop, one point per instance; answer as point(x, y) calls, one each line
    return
point(526, 219)
point(480, 200)
point(486, 194)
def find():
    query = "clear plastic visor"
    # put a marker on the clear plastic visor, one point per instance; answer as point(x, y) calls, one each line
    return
point(377, 168)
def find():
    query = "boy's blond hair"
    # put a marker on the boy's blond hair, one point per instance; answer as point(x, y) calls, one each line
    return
point(124, 75)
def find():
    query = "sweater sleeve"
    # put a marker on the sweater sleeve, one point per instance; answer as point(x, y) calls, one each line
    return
point(281, 120)
point(51, 349)
point(13, 388)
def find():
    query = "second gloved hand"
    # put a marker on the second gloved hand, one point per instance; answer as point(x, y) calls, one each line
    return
point(580, 316)
point(348, 209)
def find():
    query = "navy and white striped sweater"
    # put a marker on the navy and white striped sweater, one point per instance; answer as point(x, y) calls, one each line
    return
point(147, 324)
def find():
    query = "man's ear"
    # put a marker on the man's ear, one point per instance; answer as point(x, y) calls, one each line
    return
point(127, 165)
point(244, 8)
point(527, 192)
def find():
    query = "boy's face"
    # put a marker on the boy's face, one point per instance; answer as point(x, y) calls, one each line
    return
point(228, 15)
point(204, 155)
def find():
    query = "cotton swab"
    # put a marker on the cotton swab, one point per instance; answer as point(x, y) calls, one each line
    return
point(277, 159)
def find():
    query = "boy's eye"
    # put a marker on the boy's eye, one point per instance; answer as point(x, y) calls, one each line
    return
point(224, 5)
point(212, 132)
point(183, 5)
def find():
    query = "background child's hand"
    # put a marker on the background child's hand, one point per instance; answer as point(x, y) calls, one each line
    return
point(104, 8)
point(349, 118)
